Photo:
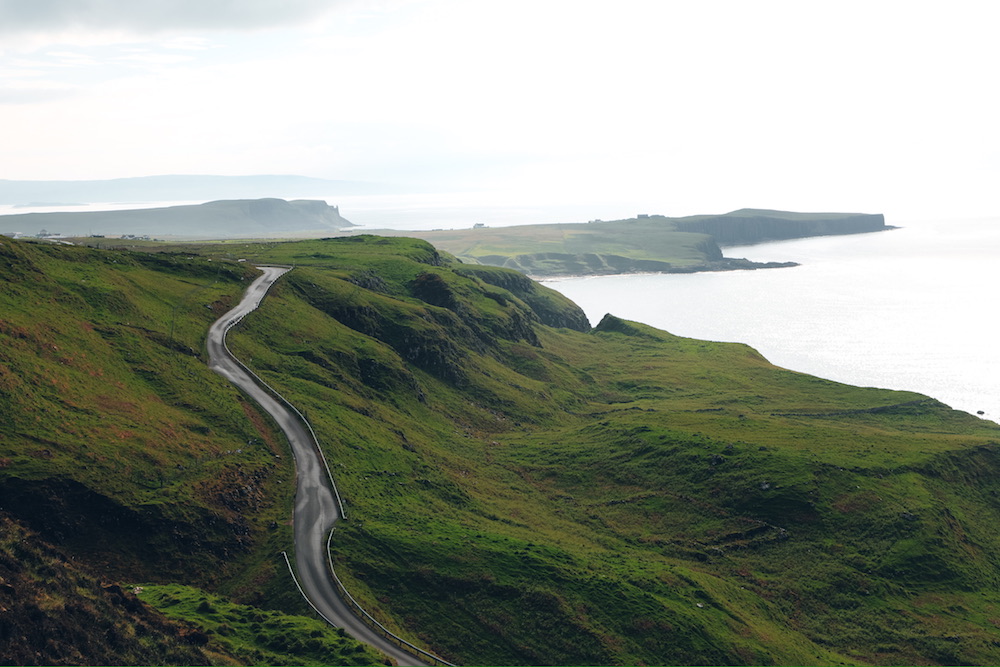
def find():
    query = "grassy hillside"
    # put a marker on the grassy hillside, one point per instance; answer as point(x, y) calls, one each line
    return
point(121, 448)
point(521, 488)
point(550, 495)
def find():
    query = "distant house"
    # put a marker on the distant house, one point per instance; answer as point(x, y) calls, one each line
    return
point(642, 215)
point(478, 225)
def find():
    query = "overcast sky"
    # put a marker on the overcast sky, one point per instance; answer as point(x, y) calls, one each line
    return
point(680, 107)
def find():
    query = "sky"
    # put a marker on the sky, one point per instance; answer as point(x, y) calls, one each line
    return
point(676, 107)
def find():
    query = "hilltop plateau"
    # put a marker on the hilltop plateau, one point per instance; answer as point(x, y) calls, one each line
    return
point(522, 488)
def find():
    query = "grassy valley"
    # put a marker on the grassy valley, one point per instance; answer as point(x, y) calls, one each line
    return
point(521, 488)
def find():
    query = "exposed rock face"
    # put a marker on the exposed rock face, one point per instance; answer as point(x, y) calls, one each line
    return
point(54, 612)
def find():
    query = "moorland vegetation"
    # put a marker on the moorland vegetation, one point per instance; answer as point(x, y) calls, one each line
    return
point(522, 488)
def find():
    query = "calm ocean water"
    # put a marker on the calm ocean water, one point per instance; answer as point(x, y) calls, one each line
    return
point(912, 308)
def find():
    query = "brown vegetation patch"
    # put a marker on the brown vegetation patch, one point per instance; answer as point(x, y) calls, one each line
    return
point(262, 427)
point(855, 502)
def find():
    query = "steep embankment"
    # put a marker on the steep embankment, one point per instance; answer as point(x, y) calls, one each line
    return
point(648, 243)
point(54, 613)
point(521, 493)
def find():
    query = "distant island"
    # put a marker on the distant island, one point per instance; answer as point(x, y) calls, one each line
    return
point(239, 218)
point(644, 244)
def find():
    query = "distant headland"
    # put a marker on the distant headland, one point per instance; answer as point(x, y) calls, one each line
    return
point(643, 244)
point(237, 218)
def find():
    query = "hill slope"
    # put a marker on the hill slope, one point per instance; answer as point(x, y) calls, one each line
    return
point(124, 456)
point(522, 489)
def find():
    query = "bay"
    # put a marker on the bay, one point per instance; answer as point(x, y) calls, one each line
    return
point(912, 308)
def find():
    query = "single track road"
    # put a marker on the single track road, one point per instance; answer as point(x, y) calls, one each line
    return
point(316, 507)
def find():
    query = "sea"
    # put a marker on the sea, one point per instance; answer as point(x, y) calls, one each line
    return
point(911, 308)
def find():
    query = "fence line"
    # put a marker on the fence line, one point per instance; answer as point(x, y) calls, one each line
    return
point(291, 571)
point(371, 620)
point(322, 456)
point(362, 613)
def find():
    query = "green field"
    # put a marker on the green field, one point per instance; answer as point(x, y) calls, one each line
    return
point(521, 488)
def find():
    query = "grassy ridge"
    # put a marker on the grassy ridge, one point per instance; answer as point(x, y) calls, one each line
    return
point(255, 636)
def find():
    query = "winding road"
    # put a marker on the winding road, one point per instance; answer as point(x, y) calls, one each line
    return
point(316, 506)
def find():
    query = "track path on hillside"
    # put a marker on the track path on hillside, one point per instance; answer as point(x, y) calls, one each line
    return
point(316, 506)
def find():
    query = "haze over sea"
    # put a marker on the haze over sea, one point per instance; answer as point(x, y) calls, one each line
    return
point(912, 308)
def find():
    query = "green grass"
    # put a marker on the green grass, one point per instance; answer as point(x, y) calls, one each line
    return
point(520, 493)
point(256, 636)
point(574, 498)
point(116, 440)
point(596, 247)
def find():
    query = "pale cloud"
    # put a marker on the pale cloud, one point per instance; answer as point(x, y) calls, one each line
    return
point(189, 43)
point(837, 105)
point(68, 59)
point(147, 58)
point(153, 16)
point(35, 94)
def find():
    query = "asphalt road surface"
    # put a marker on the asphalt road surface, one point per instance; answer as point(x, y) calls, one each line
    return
point(316, 509)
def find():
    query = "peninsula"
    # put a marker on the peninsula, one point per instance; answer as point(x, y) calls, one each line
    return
point(644, 244)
